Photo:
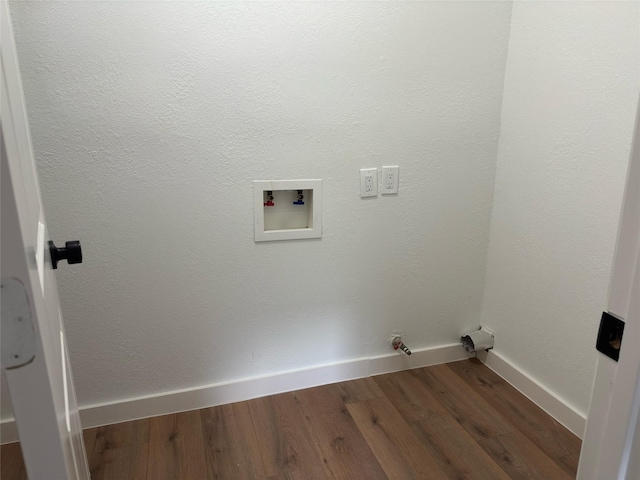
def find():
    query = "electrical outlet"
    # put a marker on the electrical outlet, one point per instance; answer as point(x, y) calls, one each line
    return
point(390, 180)
point(369, 182)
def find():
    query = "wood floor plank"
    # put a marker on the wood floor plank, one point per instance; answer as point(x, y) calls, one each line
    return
point(231, 446)
point(359, 390)
point(569, 463)
point(468, 407)
point(457, 453)
point(89, 437)
point(398, 450)
point(345, 451)
point(521, 459)
point(548, 435)
point(315, 473)
point(122, 463)
point(122, 434)
point(176, 447)
point(11, 464)
point(410, 397)
point(286, 447)
point(116, 450)
point(455, 421)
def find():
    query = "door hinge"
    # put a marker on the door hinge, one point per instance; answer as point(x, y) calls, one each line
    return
point(18, 335)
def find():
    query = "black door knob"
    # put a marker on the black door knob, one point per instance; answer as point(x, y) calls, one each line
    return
point(71, 252)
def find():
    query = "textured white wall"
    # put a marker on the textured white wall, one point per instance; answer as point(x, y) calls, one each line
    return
point(151, 119)
point(570, 94)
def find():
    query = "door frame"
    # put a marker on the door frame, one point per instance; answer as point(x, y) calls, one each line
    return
point(612, 429)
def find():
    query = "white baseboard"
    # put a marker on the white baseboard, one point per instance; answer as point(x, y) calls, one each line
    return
point(8, 431)
point(248, 388)
point(535, 391)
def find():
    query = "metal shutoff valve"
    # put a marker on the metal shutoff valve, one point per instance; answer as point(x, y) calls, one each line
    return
point(396, 342)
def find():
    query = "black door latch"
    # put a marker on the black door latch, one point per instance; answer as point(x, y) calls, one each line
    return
point(71, 252)
point(610, 336)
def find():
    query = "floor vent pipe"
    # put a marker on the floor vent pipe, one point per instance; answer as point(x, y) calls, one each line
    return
point(477, 340)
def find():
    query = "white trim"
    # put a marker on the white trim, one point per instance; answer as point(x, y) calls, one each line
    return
point(248, 388)
point(610, 423)
point(563, 412)
point(8, 431)
point(419, 358)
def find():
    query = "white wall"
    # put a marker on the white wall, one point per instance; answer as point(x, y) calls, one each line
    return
point(150, 120)
point(570, 94)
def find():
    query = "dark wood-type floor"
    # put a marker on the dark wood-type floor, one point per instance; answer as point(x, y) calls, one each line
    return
point(453, 421)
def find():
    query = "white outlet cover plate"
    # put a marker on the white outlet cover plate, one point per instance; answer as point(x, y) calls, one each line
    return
point(368, 182)
point(390, 180)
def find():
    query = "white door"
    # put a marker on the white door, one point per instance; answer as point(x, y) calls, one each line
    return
point(611, 445)
point(34, 352)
